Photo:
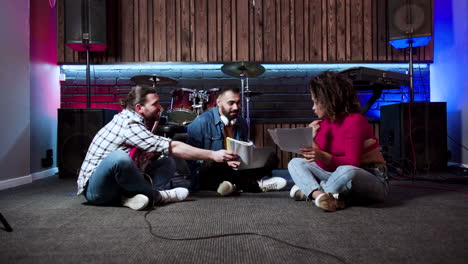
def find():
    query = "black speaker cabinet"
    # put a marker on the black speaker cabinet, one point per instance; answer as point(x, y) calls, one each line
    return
point(410, 19)
point(85, 24)
point(76, 130)
point(425, 124)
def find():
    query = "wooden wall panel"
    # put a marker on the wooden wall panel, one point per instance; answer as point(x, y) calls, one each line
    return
point(315, 31)
point(171, 33)
point(160, 33)
point(242, 30)
point(201, 30)
point(331, 26)
point(341, 30)
point(212, 30)
point(367, 32)
point(301, 31)
point(284, 31)
point(357, 29)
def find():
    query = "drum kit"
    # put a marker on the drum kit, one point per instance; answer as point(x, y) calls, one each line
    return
point(187, 104)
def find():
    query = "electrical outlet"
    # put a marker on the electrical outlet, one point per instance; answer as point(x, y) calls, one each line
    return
point(62, 77)
point(48, 161)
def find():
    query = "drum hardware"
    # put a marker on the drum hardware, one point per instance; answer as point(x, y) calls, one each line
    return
point(199, 98)
point(153, 80)
point(209, 99)
point(169, 130)
point(244, 70)
point(251, 93)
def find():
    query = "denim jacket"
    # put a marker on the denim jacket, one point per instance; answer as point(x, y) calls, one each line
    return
point(207, 131)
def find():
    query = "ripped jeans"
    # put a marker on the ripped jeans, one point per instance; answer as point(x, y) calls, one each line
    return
point(370, 184)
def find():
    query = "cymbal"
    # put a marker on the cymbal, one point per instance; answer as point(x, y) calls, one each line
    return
point(153, 80)
point(250, 69)
point(249, 93)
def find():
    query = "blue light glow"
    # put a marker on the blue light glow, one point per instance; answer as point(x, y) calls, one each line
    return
point(217, 67)
point(416, 42)
point(448, 74)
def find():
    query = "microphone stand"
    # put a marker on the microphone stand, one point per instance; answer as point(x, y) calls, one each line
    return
point(5, 223)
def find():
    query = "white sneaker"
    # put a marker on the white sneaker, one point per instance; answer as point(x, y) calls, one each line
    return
point(272, 184)
point(226, 188)
point(174, 195)
point(137, 202)
point(297, 194)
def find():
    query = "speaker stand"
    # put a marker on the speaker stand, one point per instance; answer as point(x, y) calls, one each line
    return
point(411, 76)
point(88, 80)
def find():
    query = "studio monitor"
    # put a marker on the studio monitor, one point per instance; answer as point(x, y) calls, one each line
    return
point(409, 19)
point(85, 25)
point(419, 128)
point(76, 130)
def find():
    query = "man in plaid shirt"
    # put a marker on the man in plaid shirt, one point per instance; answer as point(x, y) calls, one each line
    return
point(108, 174)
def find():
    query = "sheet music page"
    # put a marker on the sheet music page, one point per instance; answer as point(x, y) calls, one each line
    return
point(250, 156)
point(292, 139)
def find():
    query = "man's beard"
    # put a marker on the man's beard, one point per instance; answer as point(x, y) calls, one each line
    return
point(230, 116)
point(152, 118)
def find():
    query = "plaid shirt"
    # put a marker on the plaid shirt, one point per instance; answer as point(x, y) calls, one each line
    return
point(125, 131)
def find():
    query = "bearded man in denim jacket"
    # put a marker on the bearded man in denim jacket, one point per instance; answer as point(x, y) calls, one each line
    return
point(209, 131)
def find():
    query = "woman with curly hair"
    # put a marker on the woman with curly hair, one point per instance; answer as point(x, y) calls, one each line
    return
point(344, 163)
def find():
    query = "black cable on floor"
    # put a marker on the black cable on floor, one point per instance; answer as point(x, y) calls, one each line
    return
point(237, 234)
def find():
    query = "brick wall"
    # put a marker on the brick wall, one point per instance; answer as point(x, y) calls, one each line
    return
point(285, 97)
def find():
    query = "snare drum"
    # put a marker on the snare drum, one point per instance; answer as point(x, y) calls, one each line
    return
point(181, 109)
point(212, 95)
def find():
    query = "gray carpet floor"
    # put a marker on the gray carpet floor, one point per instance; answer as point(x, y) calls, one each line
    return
point(421, 222)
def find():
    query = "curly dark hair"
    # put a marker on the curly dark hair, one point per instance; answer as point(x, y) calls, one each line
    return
point(136, 96)
point(335, 93)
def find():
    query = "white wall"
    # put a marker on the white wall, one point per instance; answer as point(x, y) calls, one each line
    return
point(15, 91)
point(449, 73)
point(45, 86)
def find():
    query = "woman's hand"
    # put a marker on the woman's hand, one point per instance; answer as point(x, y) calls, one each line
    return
point(315, 125)
point(310, 154)
point(314, 153)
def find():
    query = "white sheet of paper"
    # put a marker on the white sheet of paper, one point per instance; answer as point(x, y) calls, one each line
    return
point(292, 139)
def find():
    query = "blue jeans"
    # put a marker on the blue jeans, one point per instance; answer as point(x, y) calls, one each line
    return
point(118, 175)
point(357, 183)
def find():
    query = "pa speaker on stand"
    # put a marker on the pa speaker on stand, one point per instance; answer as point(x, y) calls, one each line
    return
point(409, 20)
point(86, 30)
point(409, 26)
point(85, 25)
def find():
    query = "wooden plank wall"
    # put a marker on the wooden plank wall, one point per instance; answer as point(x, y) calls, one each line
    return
point(261, 138)
point(313, 31)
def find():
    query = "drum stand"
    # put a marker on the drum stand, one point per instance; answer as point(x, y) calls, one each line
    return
point(244, 70)
point(245, 97)
point(202, 99)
